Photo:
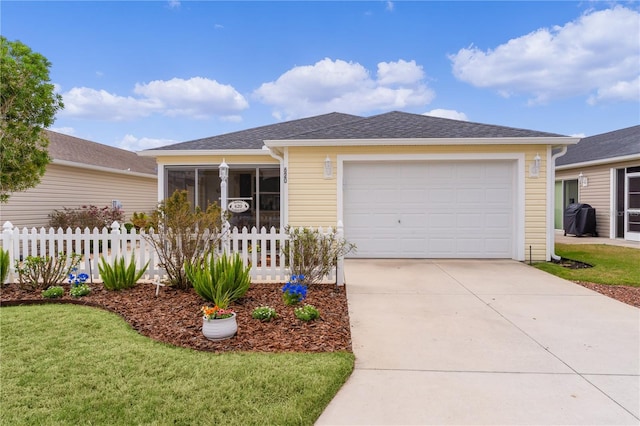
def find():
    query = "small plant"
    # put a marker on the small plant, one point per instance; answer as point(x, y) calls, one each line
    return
point(264, 313)
point(294, 291)
point(220, 281)
point(306, 313)
point(4, 265)
point(53, 292)
point(313, 253)
point(120, 275)
point(85, 217)
point(79, 290)
point(37, 273)
point(215, 313)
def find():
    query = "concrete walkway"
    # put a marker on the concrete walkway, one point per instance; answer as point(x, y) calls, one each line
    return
point(571, 239)
point(461, 342)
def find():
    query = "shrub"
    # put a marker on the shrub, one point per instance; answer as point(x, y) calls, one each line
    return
point(4, 265)
point(85, 217)
point(79, 290)
point(120, 275)
point(306, 313)
point(37, 273)
point(221, 280)
point(313, 253)
point(264, 313)
point(294, 291)
point(53, 292)
point(182, 236)
point(141, 221)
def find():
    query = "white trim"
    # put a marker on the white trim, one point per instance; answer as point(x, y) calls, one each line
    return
point(551, 202)
point(101, 168)
point(564, 140)
point(518, 249)
point(161, 181)
point(284, 190)
point(200, 152)
point(613, 214)
point(600, 161)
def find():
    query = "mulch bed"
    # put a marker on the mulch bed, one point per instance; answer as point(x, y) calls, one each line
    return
point(623, 293)
point(174, 316)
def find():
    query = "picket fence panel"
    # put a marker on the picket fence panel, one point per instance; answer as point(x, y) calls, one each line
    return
point(262, 249)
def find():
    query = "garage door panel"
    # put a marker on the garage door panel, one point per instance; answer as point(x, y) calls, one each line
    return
point(430, 209)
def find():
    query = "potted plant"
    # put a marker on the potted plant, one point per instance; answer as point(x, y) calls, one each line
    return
point(218, 324)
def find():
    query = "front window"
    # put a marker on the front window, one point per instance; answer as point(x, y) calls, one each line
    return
point(259, 187)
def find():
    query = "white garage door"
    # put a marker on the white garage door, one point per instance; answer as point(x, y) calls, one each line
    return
point(430, 209)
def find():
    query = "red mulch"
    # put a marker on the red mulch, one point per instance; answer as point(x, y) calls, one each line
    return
point(623, 293)
point(174, 316)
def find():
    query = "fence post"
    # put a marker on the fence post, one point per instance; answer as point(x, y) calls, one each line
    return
point(340, 263)
point(7, 244)
point(115, 241)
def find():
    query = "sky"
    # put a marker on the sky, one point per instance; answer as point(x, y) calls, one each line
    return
point(137, 75)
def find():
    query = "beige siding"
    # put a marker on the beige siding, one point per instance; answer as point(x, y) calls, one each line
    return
point(597, 193)
point(64, 186)
point(313, 199)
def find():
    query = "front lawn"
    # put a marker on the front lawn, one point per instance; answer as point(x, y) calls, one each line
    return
point(67, 364)
point(611, 264)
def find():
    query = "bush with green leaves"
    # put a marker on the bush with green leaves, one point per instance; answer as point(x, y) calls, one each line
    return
point(85, 217)
point(306, 313)
point(219, 280)
point(37, 273)
point(264, 313)
point(4, 265)
point(182, 235)
point(79, 290)
point(53, 292)
point(313, 253)
point(120, 275)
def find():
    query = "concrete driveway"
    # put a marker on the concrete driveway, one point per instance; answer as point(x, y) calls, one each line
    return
point(459, 342)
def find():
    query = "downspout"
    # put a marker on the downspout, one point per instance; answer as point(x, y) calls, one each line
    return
point(551, 181)
point(283, 181)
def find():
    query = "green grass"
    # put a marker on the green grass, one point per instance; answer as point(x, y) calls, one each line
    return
point(611, 264)
point(66, 364)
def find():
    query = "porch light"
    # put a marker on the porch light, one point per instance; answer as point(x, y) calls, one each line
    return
point(534, 167)
point(224, 170)
point(583, 180)
point(328, 168)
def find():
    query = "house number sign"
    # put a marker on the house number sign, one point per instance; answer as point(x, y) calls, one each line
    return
point(238, 206)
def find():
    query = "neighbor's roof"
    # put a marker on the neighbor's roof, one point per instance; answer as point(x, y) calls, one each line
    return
point(402, 125)
point(615, 144)
point(253, 138)
point(83, 152)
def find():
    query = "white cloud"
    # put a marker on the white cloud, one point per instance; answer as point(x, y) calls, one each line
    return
point(345, 87)
point(132, 143)
point(447, 113)
point(598, 52)
point(64, 130)
point(99, 104)
point(389, 6)
point(196, 98)
point(174, 4)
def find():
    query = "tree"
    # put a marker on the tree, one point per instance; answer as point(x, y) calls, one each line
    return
point(28, 104)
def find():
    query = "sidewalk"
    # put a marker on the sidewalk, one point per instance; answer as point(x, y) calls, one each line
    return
point(570, 239)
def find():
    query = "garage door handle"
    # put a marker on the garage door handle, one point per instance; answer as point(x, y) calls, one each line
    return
point(398, 220)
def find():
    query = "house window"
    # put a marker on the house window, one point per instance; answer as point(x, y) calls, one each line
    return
point(258, 186)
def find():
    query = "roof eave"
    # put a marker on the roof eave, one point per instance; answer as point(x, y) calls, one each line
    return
point(547, 140)
point(102, 169)
point(199, 152)
point(601, 161)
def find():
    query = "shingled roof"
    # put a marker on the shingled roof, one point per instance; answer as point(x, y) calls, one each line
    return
point(81, 151)
point(618, 143)
point(402, 125)
point(253, 138)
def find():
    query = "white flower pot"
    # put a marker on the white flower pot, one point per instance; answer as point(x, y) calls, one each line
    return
point(219, 329)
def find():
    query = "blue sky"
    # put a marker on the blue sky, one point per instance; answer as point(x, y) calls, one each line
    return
point(137, 75)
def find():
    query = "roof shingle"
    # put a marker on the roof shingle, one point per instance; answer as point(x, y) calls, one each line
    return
point(618, 143)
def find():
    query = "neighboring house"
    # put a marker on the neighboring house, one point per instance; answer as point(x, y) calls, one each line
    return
point(402, 185)
point(604, 172)
point(84, 173)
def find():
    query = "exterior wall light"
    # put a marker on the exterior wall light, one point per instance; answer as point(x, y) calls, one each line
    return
point(534, 167)
point(583, 180)
point(328, 168)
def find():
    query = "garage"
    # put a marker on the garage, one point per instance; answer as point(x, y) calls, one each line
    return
point(430, 209)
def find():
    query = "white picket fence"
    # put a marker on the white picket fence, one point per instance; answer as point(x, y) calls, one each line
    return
point(262, 249)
